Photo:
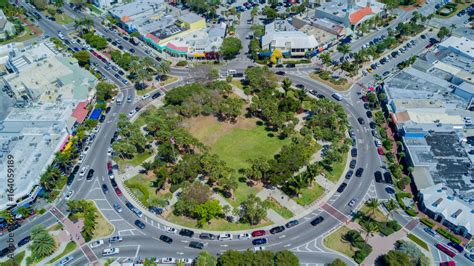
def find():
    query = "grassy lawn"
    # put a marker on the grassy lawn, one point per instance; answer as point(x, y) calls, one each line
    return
point(55, 227)
point(344, 87)
point(24, 36)
point(169, 79)
point(334, 241)
point(71, 246)
point(63, 19)
point(216, 224)
point(282, 211)
point(337, 170)
point(418, 241)
point(237, 83)
point(241, 194)
point(143, 182)
point(378, 215)
point(16, 260)
point(309, 195)
point(103, 227)
point(137, 160)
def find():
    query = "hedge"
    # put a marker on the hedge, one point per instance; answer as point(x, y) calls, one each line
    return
point(411, 212)
point(418, 241)
point(427, 222)
point(182, 63)
point(362, 253)
point(448, 235)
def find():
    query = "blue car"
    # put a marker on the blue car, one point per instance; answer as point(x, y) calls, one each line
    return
point(259, 241)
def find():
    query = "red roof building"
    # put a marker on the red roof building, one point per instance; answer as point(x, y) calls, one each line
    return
point(80, 113)
point(357, 16)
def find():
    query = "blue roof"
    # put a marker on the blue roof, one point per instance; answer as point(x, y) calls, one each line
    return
point(95, 114)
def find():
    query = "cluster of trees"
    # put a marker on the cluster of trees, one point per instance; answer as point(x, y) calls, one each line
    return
point(123, 60)
point(84, 24)
point(328, 121)
point(42, 243)
point(396, 3)
point(95, 41)
point(132, 140)
point(265, 257)
point(354, 238)
point(202, 6)
point(230, 47)
point(198, 99)
point(253, 210)
point(87, 210)
point(52, 180)
point(105, 91)
point(254, 44)
point(82, 57)
point(195, 202)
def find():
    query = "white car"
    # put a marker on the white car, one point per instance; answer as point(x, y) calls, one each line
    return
point(258, 248)
point(225, 237)
point(69, 194)
point(83, 171)
point(171, 230)
point(109, 151)
point(244, 236)
point(65, 261)
point(97, 243)
point(81, 159)
point(168, 260)
point(86, 149)
point(352, 202)
point(110, 251)
point(96, 129)
point(131, 113)
point(186, 261)
point(146, 96)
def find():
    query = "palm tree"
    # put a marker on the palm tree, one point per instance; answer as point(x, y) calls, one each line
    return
point(25, 212)
point(326, 58)
point(163, 69)
point(286, 84)
point(373, 204)
point(369, 228)
point(43, 243)
point(390, 205)
point(353, 237)
point(344, 49)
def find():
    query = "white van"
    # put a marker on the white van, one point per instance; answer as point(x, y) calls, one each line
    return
point(337, 96)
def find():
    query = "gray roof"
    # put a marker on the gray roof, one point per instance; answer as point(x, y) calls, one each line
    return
point(190, 18)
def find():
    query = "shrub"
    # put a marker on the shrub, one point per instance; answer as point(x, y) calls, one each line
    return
point(411, 212)
point(361, 254)
point(386, 231)
point(182, 63)
point(448, 235)
point(427, 222)
point(418, 241)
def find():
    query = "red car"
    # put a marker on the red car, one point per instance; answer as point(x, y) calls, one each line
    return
point(448, 263)
point(380, 150)
point(258, 233)
point(118, 191)
point(109, 166)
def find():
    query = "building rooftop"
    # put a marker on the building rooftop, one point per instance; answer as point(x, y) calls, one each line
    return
point(460, 45)
point(128, 12)
point(190, 18)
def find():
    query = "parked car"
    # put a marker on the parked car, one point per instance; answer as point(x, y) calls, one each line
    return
point(352, 164)
point(456, 246)
point(349, 174)
point(196, 244)
point(24, 241)
point(110, 251)
point(186, 232)
point(292, 223)
point(167, 261)
point(90, 174)
point(244, 236)
point(388, 178)
point(207, 236)
point(225, 237)
point(258, 233)
point(97, 243)
point(378, 177)
point(155, 210)
point(118, 191)
point(430, 231)
point(259, 241)
point(354, 152)
point(342, 187)
point(140, 224)
point(65, 261)
point(115, 239)
point(277, 229)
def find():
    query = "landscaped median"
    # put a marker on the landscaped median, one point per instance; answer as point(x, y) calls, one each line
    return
point(348, 242)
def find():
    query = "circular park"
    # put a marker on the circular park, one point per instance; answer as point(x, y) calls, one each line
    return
point(227, 155)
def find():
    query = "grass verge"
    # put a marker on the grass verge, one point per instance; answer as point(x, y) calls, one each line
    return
point(215, 224)
point(334, 241)
point(282, 211)
point(310, 194)
point(337, 170)
point(137, 160)
point(16, 260)
point(70, 247)
point(418, 241)
point(344, 87)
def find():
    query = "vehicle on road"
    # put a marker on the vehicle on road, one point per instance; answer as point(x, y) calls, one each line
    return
point(430, 231)
point(259, 241)
point(69, 194)
point(24, 241)
point(388, 178)
point(166, 239)
point(186, 261)
point(317, 220)
point(139, 224)
point(447, 263)
point(380, 151)
point(378, 177)
point(352, 164)
point(280, 73)
point(292, 223)
point(352, 202)
point(115, 239)
point(244, 236)
point(186, 232)
point(83, 171)
point(171, 230)
point(97, 243)
point(167, 261)
point(277, 229)
point(118, 191)
point(155, 210)
point(456, 246)
point(156, 95)
point(225, 237)
point(110, 251)
point(469, 256)
point(349, 174)
point(361, 120)
point(105, 189)
point(446, 249)
point(117, 207)
point(258, 248)
point(337, 96)
point(65, 261)
point(354, 152)
point(207, 236)
point(196, 244)
point(90, 174)
point(258, 233)
point(359, 172)
point(342, 187)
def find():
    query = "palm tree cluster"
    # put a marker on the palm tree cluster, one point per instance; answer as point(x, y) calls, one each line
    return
point(87, 210)
point(296, 184)
point(43, 243)
point(85, 23)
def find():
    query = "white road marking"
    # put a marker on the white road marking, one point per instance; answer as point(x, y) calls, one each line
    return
point(136, 253)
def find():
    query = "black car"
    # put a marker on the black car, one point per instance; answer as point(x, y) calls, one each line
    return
point(423, 36)
point(113, 182)
point(195, 244)
point(292, 223)
point(6, 251)
point(349, 174)
point(372, 125)
point(90, 174)
point(361, 120)
point(280, 73)
point(300, 86)
point(24, 241)
point(155, 210)
point(166, 239)
point(186, 232)
point(277, 229)
point(341, 188)
point(352, 164)
point(259, 241)
point(139, 224)
point(102, 118)
point(156, 95)
point(388, 178)
point(207, 236)
point(105, 189)
point(129, 205)
point(75, 170)
point(317, 221)
point(369, 114)
point(290, 65)
point(378, 177)
point(279, 66)
point(354, 152)
point(359, 172)
point(107, 110)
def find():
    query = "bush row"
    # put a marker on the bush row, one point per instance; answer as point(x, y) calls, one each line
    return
point(427, 222)
point(448, 235)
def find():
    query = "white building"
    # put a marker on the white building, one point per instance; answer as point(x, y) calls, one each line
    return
point(349, 13)
point(283, 36)
point(106, 3)
point(459, 45)
point(6, 27)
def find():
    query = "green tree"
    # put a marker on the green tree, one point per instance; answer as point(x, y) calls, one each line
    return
point(443, 32)
point(337, 262)
point(391, 205)
point(82, 57)
point(40, 4)
point(369, 228)
point(395, 258)
point(42, 243)
point(230, 47)
point(163, 69)
point(206, 259)
point(344, 49)
point(253, 210)
point(207, 211)
point(58, 3)
point(286, 257)
point(354, 238)
point(373, 205)
point(105, 91)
